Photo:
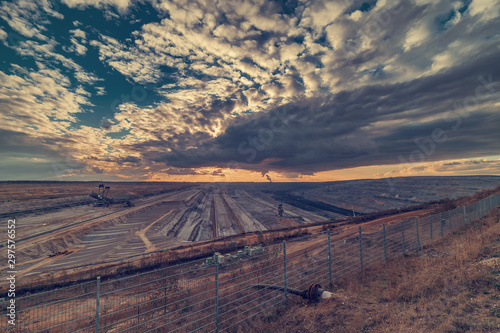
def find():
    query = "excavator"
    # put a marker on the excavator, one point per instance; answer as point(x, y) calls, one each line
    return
point(102, 196)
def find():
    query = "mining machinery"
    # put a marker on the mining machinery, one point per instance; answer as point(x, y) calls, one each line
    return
point(280, 210)
point(102, 196)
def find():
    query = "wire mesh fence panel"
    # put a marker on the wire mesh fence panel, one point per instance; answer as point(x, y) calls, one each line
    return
point(303, 270)
point(304, 258)
point(412, 238)
point(394, 240)
point(372, 246)
point(346, 257)
point(240, 290)
point(65, 309)
point(173, 299)
point(425, 230)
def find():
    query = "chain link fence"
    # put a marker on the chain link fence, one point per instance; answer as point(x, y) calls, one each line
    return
point(219, 293)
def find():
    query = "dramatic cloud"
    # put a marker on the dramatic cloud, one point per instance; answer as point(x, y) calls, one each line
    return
point(277, 90)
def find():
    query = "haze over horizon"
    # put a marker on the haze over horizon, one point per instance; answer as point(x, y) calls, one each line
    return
point(156, 90)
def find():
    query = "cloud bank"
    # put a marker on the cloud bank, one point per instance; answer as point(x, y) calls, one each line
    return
point(289, 87)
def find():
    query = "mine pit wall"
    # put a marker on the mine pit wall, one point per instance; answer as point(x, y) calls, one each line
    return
point(68, 239)
point(299, 216)
point(247, 222)
point(172, 225)
point(72, 236)
point(187, 221)
point(192, 223)
point(226, 226)
point(203, 229)
point(8, 210)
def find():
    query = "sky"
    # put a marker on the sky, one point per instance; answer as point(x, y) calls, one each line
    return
point(248, 90)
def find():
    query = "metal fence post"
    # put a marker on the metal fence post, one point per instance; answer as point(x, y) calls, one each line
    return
point(430, 224)
point(165, 291)
point(418, 234)
point(385, 244)
point(285, 289)
point(360, 250)
point(98, 296)
point(329, 257)
point(403, 235)
point(442, 222)
point(463, 212)
point(456, 214)
point(449, 218)
point(216, 258)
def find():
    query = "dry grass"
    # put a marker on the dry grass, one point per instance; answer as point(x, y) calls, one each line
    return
point(451, 286)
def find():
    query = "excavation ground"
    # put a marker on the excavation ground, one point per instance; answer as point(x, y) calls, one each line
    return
point(172, 222)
